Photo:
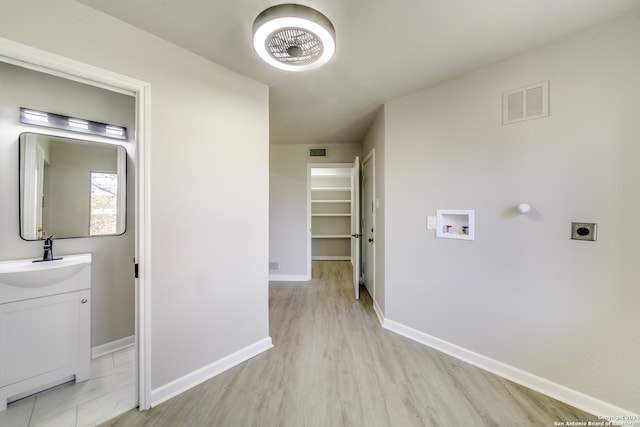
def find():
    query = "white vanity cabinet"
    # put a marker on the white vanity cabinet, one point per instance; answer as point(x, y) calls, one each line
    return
point(45, 333)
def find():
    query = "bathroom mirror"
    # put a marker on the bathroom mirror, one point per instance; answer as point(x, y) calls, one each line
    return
point(71, 187)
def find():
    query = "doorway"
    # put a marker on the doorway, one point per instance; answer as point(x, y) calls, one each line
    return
point(47, 63)
point(330, 202)
point(333, 218)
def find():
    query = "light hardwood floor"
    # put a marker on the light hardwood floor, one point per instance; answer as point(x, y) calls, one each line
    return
point(334, 365)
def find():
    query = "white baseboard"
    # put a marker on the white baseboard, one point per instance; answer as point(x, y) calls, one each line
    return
point(378, 311)
point(288, 278)
point(180, 385)
point(110, 347)
point(564, 394)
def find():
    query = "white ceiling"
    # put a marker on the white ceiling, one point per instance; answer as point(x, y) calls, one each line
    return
point(385, 49)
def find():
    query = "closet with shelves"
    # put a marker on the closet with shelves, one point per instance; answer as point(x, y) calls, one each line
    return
point(331, 207)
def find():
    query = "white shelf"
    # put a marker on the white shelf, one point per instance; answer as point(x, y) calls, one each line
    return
point(330, 188)
point(331, 216)
point(331, 258)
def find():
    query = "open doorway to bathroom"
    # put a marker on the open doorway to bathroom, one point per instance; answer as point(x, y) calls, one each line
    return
point(113, 384)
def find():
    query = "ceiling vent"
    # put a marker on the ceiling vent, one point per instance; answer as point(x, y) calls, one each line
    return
point(317, 152)
point(530, 102)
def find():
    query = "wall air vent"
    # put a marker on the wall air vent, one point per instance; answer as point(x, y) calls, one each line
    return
point(531, 102)
point(317, 152)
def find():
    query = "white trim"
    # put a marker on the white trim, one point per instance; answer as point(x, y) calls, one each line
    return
point(113, 346)
point(371, 158)
point(557, 391)
point(309, 238)
point(356, 226)
point(192, 379)
point(36, 59)
point(379, 313)
point(143, 245)
point(288, 278)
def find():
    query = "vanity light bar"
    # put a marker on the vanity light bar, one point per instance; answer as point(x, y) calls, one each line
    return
point(79, 124)
point(116, 131)
point(34, 116)
point(57, 121)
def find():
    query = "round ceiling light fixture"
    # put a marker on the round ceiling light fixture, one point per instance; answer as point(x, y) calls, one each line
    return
point(293, 37)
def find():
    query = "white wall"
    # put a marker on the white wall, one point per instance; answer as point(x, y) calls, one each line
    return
point(523, 293)
point(288, 202)
point(209, 223)
point(112, 311)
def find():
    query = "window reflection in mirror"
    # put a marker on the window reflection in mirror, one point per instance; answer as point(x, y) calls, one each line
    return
point(71, 187)
point(104, 203)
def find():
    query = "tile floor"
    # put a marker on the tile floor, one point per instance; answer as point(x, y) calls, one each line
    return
point(109, 392)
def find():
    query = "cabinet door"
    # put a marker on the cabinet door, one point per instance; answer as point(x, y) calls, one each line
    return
point(43, 334)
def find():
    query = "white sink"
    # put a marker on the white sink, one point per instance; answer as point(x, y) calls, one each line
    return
point(24, 273)
point(45, 324)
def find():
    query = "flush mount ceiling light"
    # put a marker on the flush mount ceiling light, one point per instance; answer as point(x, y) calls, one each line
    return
point(293, 37)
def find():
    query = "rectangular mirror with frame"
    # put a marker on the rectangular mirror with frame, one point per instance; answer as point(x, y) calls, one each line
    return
point(71, 187)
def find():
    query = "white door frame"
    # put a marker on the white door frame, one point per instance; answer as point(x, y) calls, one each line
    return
point(370, 158)
point(39, 60)
point(356, 226)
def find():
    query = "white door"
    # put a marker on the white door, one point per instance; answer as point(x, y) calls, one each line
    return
point(355, 225)
point(368, 221)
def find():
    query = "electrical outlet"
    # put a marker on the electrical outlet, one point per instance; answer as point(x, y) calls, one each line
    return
point(583, 231)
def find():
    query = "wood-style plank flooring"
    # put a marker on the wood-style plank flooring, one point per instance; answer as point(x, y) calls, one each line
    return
point(334, 365)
